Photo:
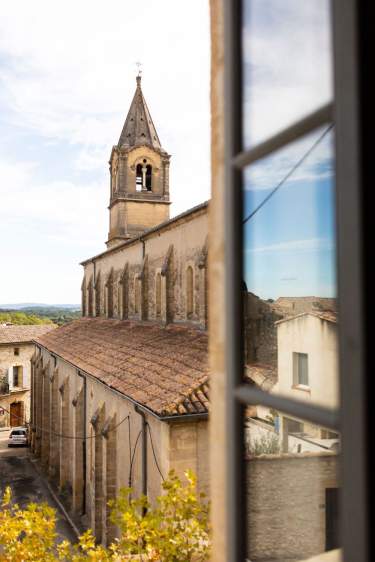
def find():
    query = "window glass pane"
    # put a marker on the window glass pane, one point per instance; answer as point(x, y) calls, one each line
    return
point(290, 304)
point(286, 63)
point(292, 492)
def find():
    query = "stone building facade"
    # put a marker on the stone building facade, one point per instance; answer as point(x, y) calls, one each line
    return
point(287, 504)
point(120, 396)
point(16, 350)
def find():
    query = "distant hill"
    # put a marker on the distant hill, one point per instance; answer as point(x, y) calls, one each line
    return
point(39, 314)
point(28, 305)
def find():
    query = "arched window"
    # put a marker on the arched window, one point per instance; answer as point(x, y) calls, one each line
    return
point(158, 295)
point(90, 310)
point(109, 286)
point(137, 296)
point(97, 296)
point(138, 178)
point(124, 281)
point(189, 291)
point(149, 177)
point(84, 299)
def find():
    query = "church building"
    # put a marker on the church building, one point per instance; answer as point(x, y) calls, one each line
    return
point(120, 396)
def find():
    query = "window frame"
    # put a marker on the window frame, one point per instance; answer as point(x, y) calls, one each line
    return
point(297, 369)
point(352, 158)
point(17, 375)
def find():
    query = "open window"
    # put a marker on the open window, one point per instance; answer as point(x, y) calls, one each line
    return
point(272, 154)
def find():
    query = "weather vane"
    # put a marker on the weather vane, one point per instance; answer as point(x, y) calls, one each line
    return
point(139, 65)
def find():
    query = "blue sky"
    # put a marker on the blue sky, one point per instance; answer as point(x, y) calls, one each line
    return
point(67, 77)
point(66, 83)
point(290, 241)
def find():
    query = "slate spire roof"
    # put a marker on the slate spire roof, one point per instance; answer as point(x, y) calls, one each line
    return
point(139, 128)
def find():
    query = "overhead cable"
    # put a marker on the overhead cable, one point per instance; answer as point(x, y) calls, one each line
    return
point(290, 173)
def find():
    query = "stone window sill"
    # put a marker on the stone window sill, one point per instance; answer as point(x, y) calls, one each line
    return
point(302, 387)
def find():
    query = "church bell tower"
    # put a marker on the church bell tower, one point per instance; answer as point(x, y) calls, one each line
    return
point(139, 169)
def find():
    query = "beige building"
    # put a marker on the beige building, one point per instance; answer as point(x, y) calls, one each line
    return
point(120, 396)
point(16, 350)
point(308, 370)
point(307, 358)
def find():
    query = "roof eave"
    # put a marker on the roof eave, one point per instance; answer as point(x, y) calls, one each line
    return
point(160, 417)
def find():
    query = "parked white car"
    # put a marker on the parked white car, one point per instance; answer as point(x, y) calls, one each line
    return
point(18, 436)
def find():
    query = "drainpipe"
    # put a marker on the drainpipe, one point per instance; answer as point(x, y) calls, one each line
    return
point(84, 451)
point(143, 247)
point(144, 451)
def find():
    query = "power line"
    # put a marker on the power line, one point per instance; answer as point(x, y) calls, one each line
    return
point(291, 172)
point(132, 458)
point(153, 452)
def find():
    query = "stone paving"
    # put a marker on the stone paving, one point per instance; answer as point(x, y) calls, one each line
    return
point(17, 469)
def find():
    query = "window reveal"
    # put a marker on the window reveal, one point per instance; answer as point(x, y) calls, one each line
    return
point(17, 375)
point(300, 369)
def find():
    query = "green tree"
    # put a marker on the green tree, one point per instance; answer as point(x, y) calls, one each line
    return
point(21, 318)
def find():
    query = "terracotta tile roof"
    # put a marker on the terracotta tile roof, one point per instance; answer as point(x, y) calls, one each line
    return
point(264, 376)
point(328, 315)
point(162, 368)
point(292, 306)
point(23, 333)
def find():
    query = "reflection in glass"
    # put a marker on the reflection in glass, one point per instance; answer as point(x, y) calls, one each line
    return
point(292, 488)
point(289, 273)
point(287, 63)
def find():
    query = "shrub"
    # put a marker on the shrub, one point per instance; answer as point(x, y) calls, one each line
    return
point(265, 445)
point(174, 530)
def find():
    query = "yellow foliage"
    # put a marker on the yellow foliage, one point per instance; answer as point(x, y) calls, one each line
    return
point(174, 530)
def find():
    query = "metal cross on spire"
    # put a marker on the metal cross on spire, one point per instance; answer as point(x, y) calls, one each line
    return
point(139, 66)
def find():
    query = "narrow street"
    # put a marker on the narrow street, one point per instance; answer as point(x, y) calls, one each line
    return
point(17, 470)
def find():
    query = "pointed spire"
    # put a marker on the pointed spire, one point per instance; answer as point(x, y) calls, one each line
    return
point(139, 128)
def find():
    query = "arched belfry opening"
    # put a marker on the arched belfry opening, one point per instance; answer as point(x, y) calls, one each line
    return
point(149, 177)
point(139, 172)
point(143, 176)
point(138, 178)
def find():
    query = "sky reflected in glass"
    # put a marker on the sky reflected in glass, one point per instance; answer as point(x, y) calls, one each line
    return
point(289, 243)
point(287, 63)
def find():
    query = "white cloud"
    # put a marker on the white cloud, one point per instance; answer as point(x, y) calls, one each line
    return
point(307, 245)
point(67, 72)
point(288, 70)
point(75, 210)
point(71, 75)
point(268, 172)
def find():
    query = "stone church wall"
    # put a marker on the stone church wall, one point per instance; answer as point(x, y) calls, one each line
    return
point(60, 420)
point(167, 251)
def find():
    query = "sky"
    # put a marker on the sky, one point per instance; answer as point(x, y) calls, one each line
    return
point(290, 247)
point(67, 78)
point(67, 73)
